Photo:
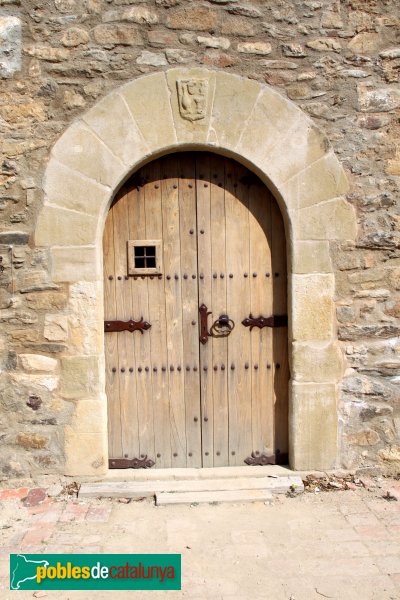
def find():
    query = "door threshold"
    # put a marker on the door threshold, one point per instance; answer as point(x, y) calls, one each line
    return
point(180, 473)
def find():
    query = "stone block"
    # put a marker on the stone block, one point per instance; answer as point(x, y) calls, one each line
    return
point(365, 43)
point(46, 300)
point(86, 453)
point(47, 53)
point(75, 36)
point(231, 102)
point(378, 100)
point(10, 46)
point(77, 263)
point(151, 58)
point(279, 140)
point(188, 130)
point(133, 14)
point(32, 441)
point(67, 188)
point(61, 227)
point(112, 121)
point(316, 362)
point(321, 180)
point(81, 150)
point(56, 328)
point(146, 97)
point(117, 34)
point(312, 307)
point(313, 426)
point(179, 56)
point(214, 42)
point(260, 48)
point(325, 45)
point(331, 220)
point(311, 257)
point(90, 416)
point(80, 377)
point(86, 306)
point(195, 18)
point(37, 362)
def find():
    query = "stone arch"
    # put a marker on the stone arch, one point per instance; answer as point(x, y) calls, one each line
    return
point(257, 126)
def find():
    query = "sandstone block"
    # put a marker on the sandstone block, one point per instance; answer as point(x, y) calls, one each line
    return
point(237, 26)
point(47, 53)
point(312, 307)
point(10, 45)
point(32, 441)
point(134, 14)
point(313, 416)
point(77, 263)
point(230, 104)
point(146, 97)
point(37, 362)
point(216, 58)
point(90, 416)
point(187, 130)
point(366, 437)
point(57, 226)
point(324, 178)
point(80, 377)
point(331, 220)
point(46, 300)
point(325, 45)
point(196, 18)
point(254, 48)
point(86, 453)
point(114, 35)
point(365, 43)
point(318, 362)
point(68, 189)
point(81, 150)
point(56, 328)
point(311, 257)
point(373, 121)
point(162, 38)
point(112, 121)
point(75, 36)
point(214, 42)
point(245, 10)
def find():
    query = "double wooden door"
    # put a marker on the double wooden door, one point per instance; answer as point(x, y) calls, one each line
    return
point(194, 245)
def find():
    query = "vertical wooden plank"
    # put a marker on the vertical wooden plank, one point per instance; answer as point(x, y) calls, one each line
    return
point(219, 277)
point(173, 307)
point(238, 294)
point(280, 335)
point(158, 332)
point(140, 308)
point(203, 192)
point(125, 339)
point(262, 395)
point(189, 291)
point(110, 342)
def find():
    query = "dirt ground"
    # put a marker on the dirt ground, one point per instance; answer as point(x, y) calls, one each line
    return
point(321, 544)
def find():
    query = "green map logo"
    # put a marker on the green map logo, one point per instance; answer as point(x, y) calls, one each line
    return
point(95, 572)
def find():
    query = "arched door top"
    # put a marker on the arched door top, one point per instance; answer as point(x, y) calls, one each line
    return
point(199, 109)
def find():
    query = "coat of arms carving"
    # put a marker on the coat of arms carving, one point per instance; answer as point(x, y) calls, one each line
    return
point(192, 98)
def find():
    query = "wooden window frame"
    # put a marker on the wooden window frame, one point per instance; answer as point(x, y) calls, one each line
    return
point(132, 270)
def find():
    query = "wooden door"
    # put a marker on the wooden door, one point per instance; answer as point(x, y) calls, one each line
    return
point(187, 231)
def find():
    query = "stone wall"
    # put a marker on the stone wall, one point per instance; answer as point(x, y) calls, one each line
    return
point(337, 60)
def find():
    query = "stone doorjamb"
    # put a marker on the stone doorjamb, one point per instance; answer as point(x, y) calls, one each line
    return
point(253, 124)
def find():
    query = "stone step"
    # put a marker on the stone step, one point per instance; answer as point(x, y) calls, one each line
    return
point(166, 498)
point(196, 473)
point(142, 489)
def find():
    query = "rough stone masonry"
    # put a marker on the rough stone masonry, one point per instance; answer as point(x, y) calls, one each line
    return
point(337, 60)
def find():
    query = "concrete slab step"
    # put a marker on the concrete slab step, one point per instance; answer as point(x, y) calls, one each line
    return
point(142, 489)
point(168, 498)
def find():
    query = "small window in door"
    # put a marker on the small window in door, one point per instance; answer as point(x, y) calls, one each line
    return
point(144, 257)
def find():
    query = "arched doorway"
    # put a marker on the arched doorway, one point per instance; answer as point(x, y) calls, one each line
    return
point(195, 317)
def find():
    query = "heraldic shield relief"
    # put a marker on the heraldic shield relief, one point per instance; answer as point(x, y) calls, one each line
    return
point(192, 98)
